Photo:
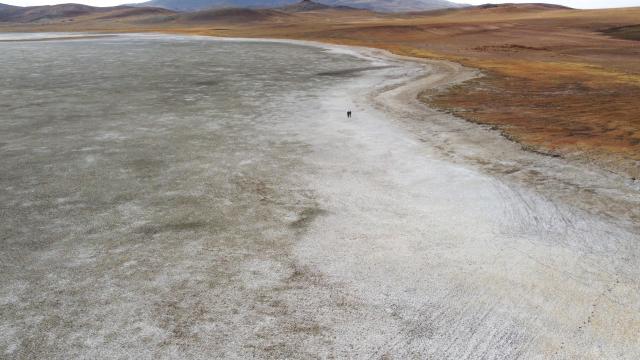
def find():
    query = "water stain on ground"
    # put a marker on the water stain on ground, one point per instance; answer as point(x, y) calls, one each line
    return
point(306, 217)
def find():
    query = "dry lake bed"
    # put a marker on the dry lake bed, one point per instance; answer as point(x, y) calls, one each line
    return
point(186, 197)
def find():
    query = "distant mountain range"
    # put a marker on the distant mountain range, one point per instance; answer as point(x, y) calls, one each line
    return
point(182, 11)
point(373, 5)
point(195, 5)
point(307, 5)
point(72, 12)
point(395, 5)
point(10, 13)
point(48, 13)
point(36, 13)
point(281, 11)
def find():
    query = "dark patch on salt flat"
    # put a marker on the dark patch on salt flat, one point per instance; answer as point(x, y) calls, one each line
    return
point(351, 72)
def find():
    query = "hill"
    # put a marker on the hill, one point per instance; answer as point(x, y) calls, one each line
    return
point(39, 13)
point(232, 15)
point(5, 6)
point(84, 14)
point(48, 13)
point(529, 6)
point(197, 5)
point(305, 5)
point(395, 5)
point(373, 5)
point(519, 8)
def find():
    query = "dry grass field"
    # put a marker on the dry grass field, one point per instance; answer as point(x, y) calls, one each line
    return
point(560, 81)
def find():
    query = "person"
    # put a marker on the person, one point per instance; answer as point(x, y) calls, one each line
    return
point(349, 114)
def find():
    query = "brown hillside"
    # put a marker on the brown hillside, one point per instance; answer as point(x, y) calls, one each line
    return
point(231, 16)
point(128, 12)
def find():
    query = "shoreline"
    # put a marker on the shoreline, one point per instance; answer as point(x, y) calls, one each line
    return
point(589, 187)
point(465, 142)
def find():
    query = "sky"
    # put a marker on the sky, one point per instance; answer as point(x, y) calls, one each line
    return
point(579, 4)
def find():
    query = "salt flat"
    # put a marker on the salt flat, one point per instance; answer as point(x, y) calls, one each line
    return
point(183, 197)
